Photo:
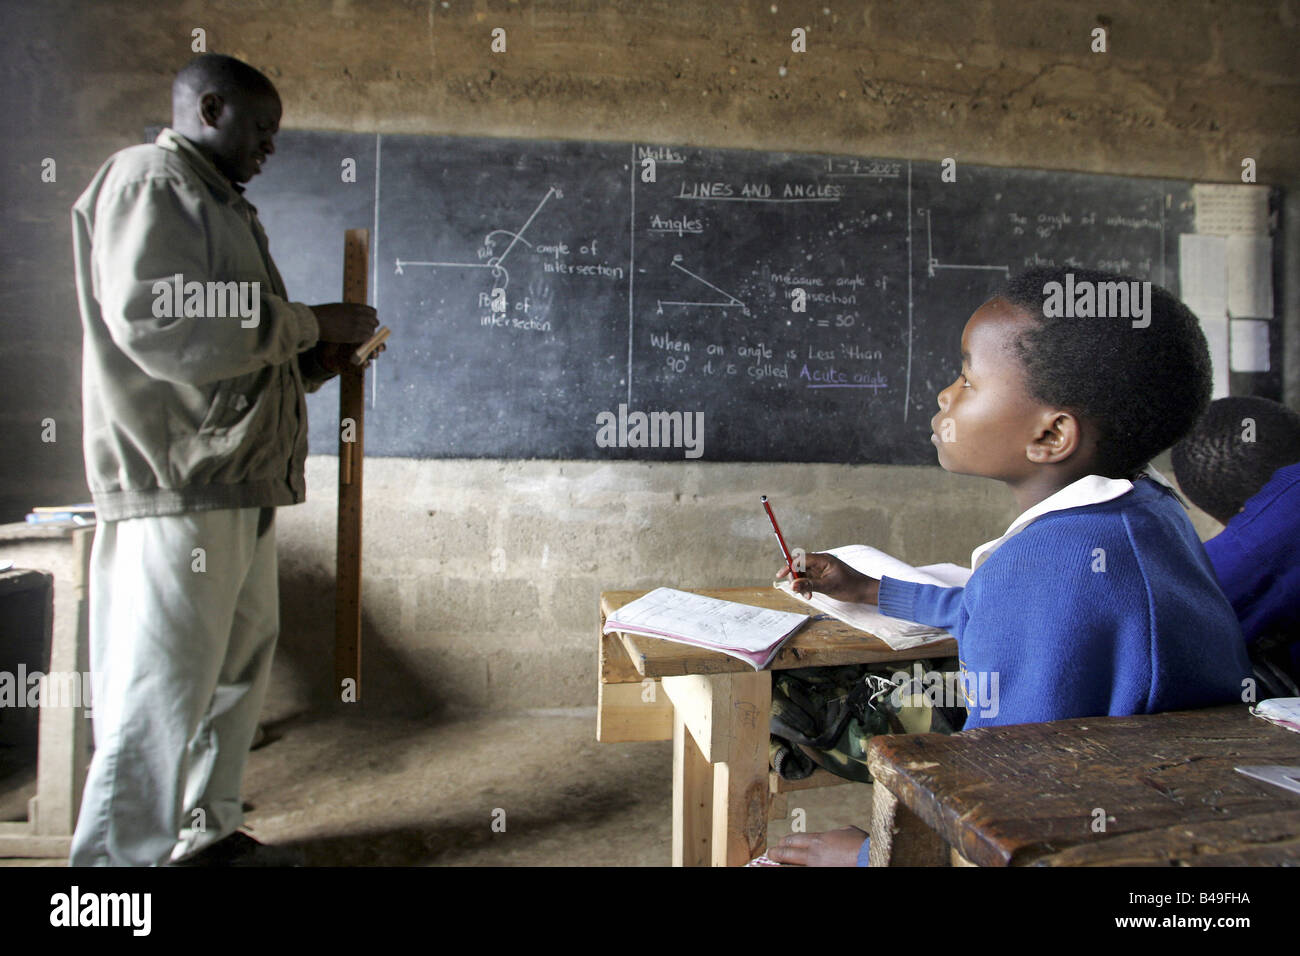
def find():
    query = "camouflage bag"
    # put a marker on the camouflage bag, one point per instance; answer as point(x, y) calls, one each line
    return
point(825, 716)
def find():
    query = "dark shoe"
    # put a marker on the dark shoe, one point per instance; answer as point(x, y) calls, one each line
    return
point(240, 849)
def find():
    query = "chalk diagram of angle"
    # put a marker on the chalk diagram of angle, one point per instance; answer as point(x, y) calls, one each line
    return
point(933, 264)
point(494, 263)
point(731, 301)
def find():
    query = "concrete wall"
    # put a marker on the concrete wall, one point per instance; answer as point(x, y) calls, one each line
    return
point(482, 577)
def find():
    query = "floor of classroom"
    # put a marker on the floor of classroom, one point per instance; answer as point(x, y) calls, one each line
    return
point(352, 790)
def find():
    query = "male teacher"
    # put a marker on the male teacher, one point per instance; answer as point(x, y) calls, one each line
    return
point(195, 366)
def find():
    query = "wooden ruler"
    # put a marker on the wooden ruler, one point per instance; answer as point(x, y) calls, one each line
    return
point(352, 409)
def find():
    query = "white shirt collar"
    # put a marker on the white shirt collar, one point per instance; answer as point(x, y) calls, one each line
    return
point(1088, 490)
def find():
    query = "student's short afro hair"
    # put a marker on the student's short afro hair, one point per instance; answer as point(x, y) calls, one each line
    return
point(1233, 451)
point(1143, 388)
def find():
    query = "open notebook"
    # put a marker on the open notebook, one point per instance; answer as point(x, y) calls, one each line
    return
point(895, 632)
point(752, 634)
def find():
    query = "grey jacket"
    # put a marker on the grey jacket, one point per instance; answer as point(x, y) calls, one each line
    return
point(186, 412)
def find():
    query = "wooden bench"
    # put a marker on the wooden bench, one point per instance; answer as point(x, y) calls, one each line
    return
point(1156, 790)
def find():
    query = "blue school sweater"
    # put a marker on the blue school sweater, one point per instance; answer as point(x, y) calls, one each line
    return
point(1257, 560)
point(1104, 609)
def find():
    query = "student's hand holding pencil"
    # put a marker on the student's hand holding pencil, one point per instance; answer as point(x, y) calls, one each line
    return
point(828, 575)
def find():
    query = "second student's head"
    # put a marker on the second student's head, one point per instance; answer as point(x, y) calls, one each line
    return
point(1233, 451)
point(1101, 389)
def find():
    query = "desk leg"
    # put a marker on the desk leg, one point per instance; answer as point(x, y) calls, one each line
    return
point(740, 782)
point(692, 797)
point(63, 748)
point(899, 837)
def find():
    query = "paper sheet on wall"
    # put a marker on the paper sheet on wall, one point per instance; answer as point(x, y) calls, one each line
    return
point(1250, 277)
point(1216, 337)
point(1203, 285)
point(1203, 273)
point(1226, 209)
point(1249, 345)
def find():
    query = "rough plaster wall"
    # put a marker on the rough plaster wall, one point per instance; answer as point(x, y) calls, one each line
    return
point(484, 581)
point(1187, 89)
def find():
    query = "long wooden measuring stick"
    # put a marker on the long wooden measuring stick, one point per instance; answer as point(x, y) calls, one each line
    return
point(352, 409)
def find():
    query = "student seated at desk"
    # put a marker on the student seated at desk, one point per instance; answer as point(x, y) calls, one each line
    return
point(1099, 598)
point(1241, 465)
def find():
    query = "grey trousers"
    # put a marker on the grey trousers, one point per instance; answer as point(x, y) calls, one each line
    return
point(184, 615)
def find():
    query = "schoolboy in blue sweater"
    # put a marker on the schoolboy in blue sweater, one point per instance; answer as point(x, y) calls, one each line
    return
point(1099, 599)
point(1241, 465)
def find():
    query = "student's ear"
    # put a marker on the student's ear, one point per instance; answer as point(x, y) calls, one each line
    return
point(210, 107)
point(1059, 436)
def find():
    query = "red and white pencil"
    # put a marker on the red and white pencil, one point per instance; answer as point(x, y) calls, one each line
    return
point(789, 562)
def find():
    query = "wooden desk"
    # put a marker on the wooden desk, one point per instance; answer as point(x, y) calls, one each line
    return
point(716, 710)
point(1030, 794)
point(63, 750)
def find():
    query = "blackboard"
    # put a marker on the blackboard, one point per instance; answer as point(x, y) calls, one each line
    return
point(676, 295)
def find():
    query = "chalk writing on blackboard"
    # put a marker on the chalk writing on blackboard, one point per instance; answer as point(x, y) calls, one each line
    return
point(731, 301)
point(811, 306)
point(487, 251)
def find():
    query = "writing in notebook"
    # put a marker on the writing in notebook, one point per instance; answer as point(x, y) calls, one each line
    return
point(895, 632)
point(1283, 711)
point(751, 634)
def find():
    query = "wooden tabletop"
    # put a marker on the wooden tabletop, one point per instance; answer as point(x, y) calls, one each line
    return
point(1031, 793)
point(25, 531)
point(822, 642)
